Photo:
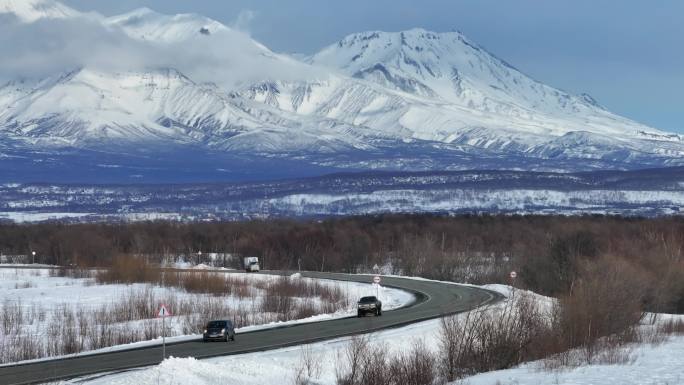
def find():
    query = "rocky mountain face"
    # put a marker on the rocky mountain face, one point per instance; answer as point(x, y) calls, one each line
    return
point(181, 84)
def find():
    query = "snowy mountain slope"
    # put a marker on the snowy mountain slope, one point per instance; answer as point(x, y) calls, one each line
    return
point(406, 100)
point(412, 119)
point(146, 24)
point(32, 10)
point(89, 108)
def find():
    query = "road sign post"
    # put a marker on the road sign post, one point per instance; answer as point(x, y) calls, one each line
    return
point(376, 281)
point(163, 313)
point(163, 338)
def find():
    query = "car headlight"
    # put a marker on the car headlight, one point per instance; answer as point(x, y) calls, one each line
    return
point(223, 330)
point(205, 330)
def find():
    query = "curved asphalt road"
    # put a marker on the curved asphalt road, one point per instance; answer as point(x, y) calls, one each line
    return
point(433, 300)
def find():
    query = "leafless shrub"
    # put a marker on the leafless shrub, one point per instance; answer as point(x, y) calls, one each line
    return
point(241, 316)
point(363, 363)
point(24, 285)
point(374, 369)
point(278, 303)
point(491, 339)
point(204, 282)
point(70, 342)
point(129, 269)
point(53, 339)
point(658, 332)
point(12, 316)
point(309, 367)
point(416, 366)
point(602, 311)
point(150, 330)
point(350, 362)
point(609, 353)
point(675, 327)
point(27, 347)
point(76, 272)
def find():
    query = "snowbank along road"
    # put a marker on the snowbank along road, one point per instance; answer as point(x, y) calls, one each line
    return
point(434, 299)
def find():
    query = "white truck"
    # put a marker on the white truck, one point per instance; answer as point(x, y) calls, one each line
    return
point(251, 264)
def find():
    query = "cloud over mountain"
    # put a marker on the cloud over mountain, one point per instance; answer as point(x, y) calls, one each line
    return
point(203, 49)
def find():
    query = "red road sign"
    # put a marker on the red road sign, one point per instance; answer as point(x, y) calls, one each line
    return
point(163, 311)
point(376, 279)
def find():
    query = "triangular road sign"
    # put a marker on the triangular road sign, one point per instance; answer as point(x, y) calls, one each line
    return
point(163, 311)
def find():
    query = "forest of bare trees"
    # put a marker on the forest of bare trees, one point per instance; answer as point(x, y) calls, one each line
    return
point(553, 255)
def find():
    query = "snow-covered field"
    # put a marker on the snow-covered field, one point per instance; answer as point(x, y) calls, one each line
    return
point(522, 201)
point(38, 216)
point(649, 364)
point(22, 217)
point(37, 287)
point(659, 364)
point(41, 296)
point(550, 200)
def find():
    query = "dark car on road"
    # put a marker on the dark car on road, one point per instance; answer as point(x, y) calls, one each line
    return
point(220, 330)
point(369, 304)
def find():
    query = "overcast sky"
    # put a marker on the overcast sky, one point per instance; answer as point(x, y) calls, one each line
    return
point(628, 54)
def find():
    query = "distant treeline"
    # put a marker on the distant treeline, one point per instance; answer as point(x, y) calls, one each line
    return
point(550, 253)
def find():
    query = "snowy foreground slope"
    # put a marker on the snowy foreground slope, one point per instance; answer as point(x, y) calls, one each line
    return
point(652, 365)
point(117, 89)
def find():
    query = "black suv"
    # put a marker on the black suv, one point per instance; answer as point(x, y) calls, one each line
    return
point(221, 330)
point(369, 305)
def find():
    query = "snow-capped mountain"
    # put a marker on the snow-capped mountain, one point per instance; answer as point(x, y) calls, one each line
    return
point(146, 24)
point(485, 101)
point(420, 86)
point(446, 66)
point(407, 100)
point(32, 10)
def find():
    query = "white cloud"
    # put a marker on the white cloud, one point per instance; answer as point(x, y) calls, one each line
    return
point(228, 58)
point(243, 20)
